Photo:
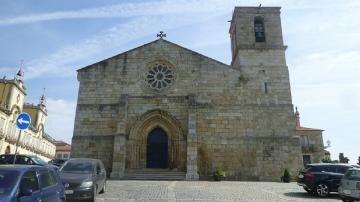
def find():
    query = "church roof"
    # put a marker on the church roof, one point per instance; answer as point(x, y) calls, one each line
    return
point(307, 129)
point(157, 41)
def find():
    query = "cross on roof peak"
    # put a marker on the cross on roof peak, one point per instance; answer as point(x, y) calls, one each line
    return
point(161, 35)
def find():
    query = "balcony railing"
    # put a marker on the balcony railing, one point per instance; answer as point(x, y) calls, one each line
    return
point(30, 142)
point(308, 148)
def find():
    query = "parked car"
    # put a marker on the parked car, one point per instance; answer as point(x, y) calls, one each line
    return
point(83, 178)
point(349, 189)
point(322, 178)
point(22, 159)
point(30, 183)
point(57, 162)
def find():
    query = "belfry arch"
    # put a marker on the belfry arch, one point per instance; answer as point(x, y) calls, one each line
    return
point(137, 143)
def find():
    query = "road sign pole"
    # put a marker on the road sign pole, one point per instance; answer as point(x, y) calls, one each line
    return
point(23, 121)
point(16, 146)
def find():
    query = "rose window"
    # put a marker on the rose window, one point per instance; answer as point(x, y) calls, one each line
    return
point(159, 77)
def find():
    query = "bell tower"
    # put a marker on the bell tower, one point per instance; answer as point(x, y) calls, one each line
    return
point(258, 51)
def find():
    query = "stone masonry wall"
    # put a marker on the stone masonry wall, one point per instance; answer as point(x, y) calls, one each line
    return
point(250, 158)
point(98, 147)
point(236, 121)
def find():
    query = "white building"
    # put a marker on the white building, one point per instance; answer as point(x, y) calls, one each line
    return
point(33, 141)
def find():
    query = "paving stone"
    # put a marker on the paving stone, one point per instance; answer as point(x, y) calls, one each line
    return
point(185, 191)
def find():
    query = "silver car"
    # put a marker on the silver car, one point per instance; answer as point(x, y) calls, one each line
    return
point(349, 189)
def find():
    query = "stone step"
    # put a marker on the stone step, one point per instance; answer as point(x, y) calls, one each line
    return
point(153, 174)
point(160, 173)
point(154, 178)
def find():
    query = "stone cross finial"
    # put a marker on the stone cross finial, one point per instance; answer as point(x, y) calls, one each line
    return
point(161, 35)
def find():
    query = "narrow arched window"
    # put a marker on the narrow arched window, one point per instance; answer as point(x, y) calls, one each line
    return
point(7, 150)
point(259, 29)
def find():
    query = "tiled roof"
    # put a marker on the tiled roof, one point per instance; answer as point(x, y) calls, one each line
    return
point(62, 146)
point(307, 129)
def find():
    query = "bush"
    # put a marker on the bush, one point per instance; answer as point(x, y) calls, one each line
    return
point(219, 175)
point(286, 177)
point(286, 173)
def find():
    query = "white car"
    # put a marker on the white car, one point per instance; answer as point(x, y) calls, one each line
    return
point(349, 189)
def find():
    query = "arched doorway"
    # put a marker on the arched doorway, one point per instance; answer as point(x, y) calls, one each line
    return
point(157, 149)
point(137, 144)
point(7, 150)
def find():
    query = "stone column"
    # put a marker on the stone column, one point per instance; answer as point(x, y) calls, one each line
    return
point(119, 156)
point(192, 157)
point(119, 151)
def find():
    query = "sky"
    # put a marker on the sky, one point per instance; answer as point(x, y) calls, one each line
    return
point(55, 38)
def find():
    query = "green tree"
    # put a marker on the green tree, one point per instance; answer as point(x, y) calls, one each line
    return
point(326, 159)
point(343, 159)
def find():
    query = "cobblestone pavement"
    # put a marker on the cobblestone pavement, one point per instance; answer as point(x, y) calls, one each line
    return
point(206, 191)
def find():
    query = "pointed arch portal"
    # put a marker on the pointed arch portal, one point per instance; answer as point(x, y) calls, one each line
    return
point(156, 140)
point(157, 149)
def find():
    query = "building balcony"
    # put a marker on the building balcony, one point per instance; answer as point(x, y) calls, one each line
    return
point(308, 148)
point(28, 141)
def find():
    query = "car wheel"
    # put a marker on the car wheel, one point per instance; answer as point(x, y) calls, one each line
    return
point(103, 190)
point(322, 190)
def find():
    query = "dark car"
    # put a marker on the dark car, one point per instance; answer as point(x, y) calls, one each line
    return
point(322, 178)
point(22, 159)
point(83, 178)
point(30, 183)
point(57, 162)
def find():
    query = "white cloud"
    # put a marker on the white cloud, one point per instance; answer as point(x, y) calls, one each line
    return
point(327, 67)
point(60, 120)
point(326, 87)
point(66, 60)
point(164, 7)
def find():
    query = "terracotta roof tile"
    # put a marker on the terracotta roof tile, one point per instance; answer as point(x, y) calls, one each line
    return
point(307, 129)
point(62, 146)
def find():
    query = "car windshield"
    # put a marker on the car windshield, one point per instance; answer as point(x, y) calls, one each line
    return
point(77, 167)
point(7, 181)
point(38, 160)
point(353, 175)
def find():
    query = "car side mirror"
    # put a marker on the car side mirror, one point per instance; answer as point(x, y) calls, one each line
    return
point(26, 192)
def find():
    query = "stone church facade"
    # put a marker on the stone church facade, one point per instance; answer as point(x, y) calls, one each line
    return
point(161, 105)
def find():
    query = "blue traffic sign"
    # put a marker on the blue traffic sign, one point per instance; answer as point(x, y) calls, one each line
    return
point(23, 121)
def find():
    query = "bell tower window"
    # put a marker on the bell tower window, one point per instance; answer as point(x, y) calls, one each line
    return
point(259, 29)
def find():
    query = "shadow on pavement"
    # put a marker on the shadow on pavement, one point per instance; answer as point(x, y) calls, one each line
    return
point(309, 196)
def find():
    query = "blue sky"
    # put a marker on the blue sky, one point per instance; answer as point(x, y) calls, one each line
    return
point(54, 38)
